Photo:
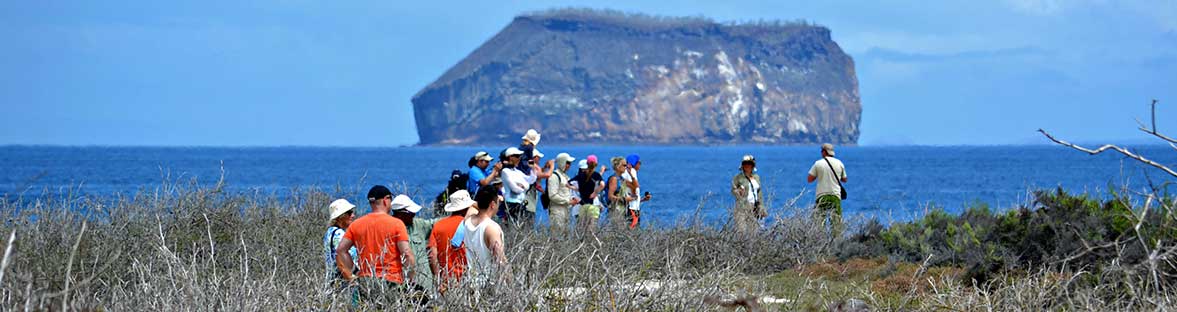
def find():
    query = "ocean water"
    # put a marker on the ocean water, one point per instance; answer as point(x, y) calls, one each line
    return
point(891, 183)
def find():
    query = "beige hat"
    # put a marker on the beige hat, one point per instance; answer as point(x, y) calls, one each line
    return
point(564, 158)
point(532, 136)
point(483, 156)
point(339, 207)
point(829, 148)
point(459, 200)
point(402, 202)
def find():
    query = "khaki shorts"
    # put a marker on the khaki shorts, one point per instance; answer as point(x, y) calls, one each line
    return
point(590, 211)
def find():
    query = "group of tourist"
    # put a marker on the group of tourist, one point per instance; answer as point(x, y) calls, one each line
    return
point(380, 251)
point(527, 182)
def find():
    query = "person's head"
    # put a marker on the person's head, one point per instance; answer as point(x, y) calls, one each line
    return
point(563, 161)
point(460, 201)
point(536, 157)
point(583, 165)
point(380, 198)
point(532, 137)
point(618, 164)
point(827, 150)
point(634, 161)
point(513, 155)
point(592, 162)
point(341, 213)
point(405, 209)
point(748, 164)
point(487, 201)
point(481, 160)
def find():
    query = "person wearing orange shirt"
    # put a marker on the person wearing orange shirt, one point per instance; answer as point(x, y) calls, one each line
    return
point(382, 244)
point(446, 260)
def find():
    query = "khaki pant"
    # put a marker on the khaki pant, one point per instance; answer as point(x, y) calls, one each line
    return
point(744, 217)
point(829, 209)
point(558, 217)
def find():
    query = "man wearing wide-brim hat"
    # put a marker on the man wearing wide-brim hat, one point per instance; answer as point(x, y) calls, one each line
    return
point(446, 261)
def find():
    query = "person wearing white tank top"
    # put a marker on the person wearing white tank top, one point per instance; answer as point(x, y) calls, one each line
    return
point(483, 238)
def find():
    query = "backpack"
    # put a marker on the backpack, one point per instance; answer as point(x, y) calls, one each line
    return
point(544, 199)
point(457, 182)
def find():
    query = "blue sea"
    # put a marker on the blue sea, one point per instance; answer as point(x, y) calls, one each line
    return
point(890, 183)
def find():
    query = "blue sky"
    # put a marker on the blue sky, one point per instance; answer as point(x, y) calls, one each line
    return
point(341, 73)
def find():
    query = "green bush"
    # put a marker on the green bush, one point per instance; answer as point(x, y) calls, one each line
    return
point(1059, 231)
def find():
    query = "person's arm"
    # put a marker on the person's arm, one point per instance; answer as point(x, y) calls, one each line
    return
point(843, 173)
point(491, 177)
point(636, 184)
point(494, 241)
point(546, 172)
point(812, 173)
point(631, 182)
point(612, 186)
point(434, 265)
point(408, 262)
point(737, 189)
point(515, 186)
point(597, 190)
point(343, 259)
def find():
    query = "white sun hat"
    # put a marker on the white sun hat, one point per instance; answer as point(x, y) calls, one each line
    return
point(537, 153)
point(512, 151)
point(583, 164)
point(459, 200)
point(402, 202)
point(339, 207)
point(532, 136)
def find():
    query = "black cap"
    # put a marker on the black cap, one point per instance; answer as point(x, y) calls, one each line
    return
point(378, 192)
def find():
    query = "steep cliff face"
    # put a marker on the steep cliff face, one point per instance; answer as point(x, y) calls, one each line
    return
point(607, 78)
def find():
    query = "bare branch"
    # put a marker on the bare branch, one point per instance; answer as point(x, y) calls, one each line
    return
point(1112, 147)
point(1153, 130)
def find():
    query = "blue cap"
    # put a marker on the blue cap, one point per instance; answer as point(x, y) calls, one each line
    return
point(632, 159)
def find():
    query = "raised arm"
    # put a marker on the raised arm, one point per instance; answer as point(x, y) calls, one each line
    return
point(493, 174)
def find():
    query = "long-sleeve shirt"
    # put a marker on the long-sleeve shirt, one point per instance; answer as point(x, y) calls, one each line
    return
point(514, 185)
point(751, 187)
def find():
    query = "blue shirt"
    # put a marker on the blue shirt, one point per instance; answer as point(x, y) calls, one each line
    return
point(476, 175)
point(331, 239)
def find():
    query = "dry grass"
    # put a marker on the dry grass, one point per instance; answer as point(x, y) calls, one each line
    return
point(191, 247)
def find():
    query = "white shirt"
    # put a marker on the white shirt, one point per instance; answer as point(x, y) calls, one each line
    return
point(478, 257)
point(631, 175)
point(826, 183)
point(514, 185)
point(751, 198)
